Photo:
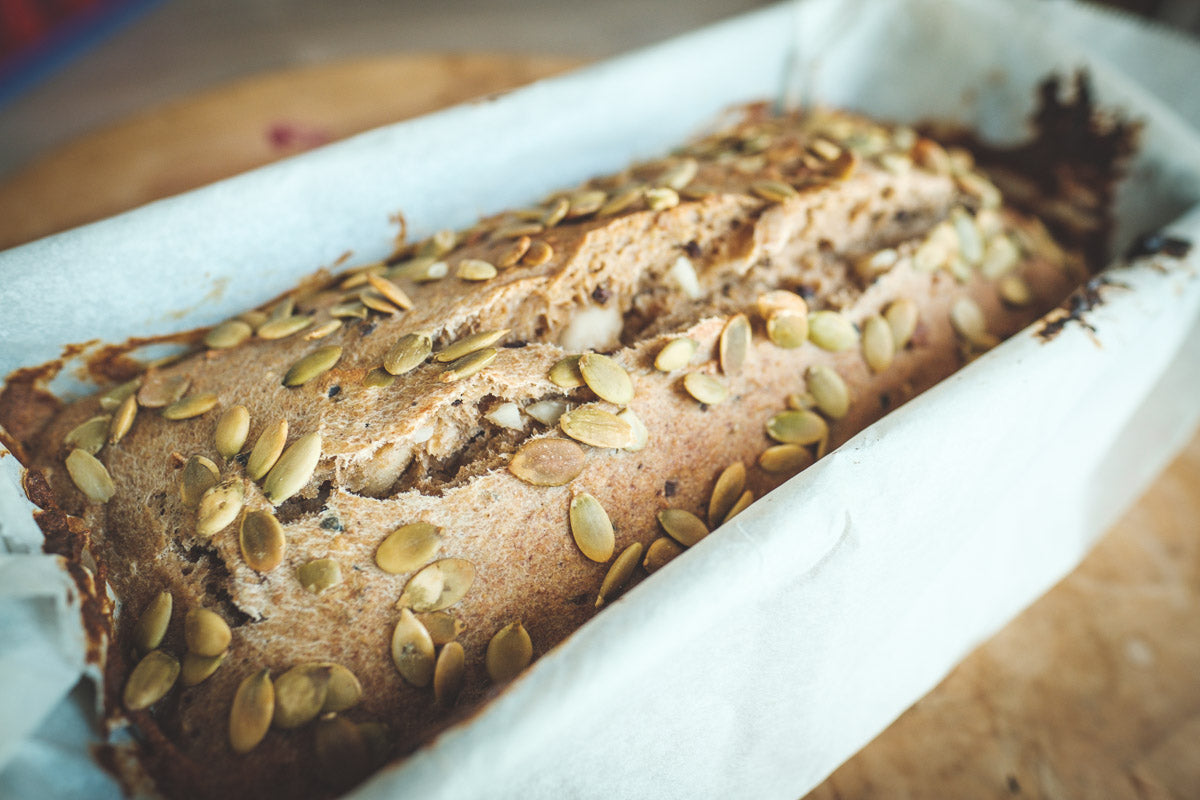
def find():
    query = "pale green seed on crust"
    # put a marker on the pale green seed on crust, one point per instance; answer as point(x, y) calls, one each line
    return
point(683, 526)
point(251, 712)
point(619, 573)
point(591, 528)
point(508, 653)
point(90, 476)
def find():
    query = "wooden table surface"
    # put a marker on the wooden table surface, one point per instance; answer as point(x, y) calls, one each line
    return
point(1092, 692)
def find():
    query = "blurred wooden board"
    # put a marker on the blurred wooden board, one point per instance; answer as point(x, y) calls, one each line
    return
point(1092, 692)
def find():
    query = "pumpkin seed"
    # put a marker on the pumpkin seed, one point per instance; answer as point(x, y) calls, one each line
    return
point(319, 575)
point(785, 458)
point(390, 291)
point(439, 585)
point(408, 547)
point(316, 363)
point(378, 739)
point(1015, 291)
point(787, 329)
point(344, 691)
point(730, 484)
point(90, 476)
point(283, 327)
point(467, 366)
point(517, 229)
point(219, 506)
point(901, 316)
point(557, 212)
point(251, 712)
point(449, 674)
point(661, 552)
point(283, 309)
point(1001, 255)
point(607, 378)
point(680, 174)
point(969, 322)
point(198, 476)
point(734, 346)
point(378, 378)
point(879, 347)
point(676, 354)
point(323, 330)
point(150, 680)
point(206, 633)
point(508, 653)
point(475, 269)
point(597, 427)
point(591, 528)
point(412, 650)
point(294, 468)
point(300, 695)
point(254, 318)
point(619, 573)
point(682, 526)
point(547, 412)
point(705, 388)
point(342, 751)
point(584, 202)
point(159, 390)
point(780, 300)
point(151, 626)
point(796, 427)
point(197, 669)
point(515, 252)
point(439, 244)
point(548, 462)
point(831, 331)
point(229, 333)
point(231, 431)
point(661, 198)
point(875, 264)
point(746, 499)
point(565, 373)
point(408, 353)
point(469, 344)
point(970, 241)
point(539, 253)
point(89, 436)
point(267, 449)
point(113, 398)
point(829, 390)
point(774, 191)
point(443, 626)
point(188, 407)
point(620, 201)
point(352, 309)
point(122, 421)
point(262, 541)
point(640, 434)
point(801, 401)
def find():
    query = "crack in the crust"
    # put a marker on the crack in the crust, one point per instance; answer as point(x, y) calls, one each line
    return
point(216, 582)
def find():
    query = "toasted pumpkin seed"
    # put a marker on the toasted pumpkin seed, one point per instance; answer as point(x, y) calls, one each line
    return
point(878, 345)
point(439, 585)
point(262, 541)
point(294, 469)
point(206, 633)
point(412, 650)
point(787, 329)
point(565, 373)
point(122, 421)
point(779, 300)
point(229, 333)
point(640, 434)
point(661, 552)
point(449, 674)
point(188, 407)
point(251, 712)
point(468, 365)
point(443, 626)
point(254, 318)
point(548, 462)
point(608, 379)
point(390, 291)
point(676, 354)
point(300, 695)
point(475, 269)
point(785, 458)
point(439, 244)
point(547, 412)
point(517, 229)
point(316, 363)
point(219, 506)
point(342, 751)
point(508, 653)
point(515, 252)
point(283, 327)
point(283, 309)
point(969, 322)
point(159, 390)
point(151, 626)
point(705, 388)
point(408, 547)
point(196, 669)
point(584, 202)
point(679, 174)
point(1015, 291)
point(829, 390)
point(801, 401)
point(344, 690)
point(619, 573)
point(774, 191)
point(745, 500)
point(597, 427)
point(409, 352)
point(620, 201)
point(198, 476)
point(797, 427)
point(1001, 255)
point(319, 575)
point(682, 526)
point(90, 476)
point(89, 436)
point(352, 309)
point(901, 316)
point(378, 378)
point(231, 431)
point(661, 198)
point(469, 344)
point(729, 487)
point(831, 330)
point(267, 449)
point(323, 330)
point(557, 212)
point(734, 345)
point(150, 680)
point(112, 399)
point(591, 528)
point(539, 253)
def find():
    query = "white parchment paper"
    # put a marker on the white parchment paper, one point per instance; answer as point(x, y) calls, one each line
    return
point(771, 652)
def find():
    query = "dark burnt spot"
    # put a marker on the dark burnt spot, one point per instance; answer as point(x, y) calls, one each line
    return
point(296, 507)
point(692, 249)
point(580, 599)
point(242, 458)
point(807, 292)
point(885, 401)
point(669, 488)
point(1082, 300)
point(367, 327)
point(601, 294)
point(330, 522)
point(334, 391)
point(456, 402)
point(1158, 243)
point(517, 345)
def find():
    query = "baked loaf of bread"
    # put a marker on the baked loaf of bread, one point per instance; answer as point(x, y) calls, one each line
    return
point(353, 514)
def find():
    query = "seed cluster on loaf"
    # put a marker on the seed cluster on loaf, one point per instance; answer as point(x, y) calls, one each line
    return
point(725, 315)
